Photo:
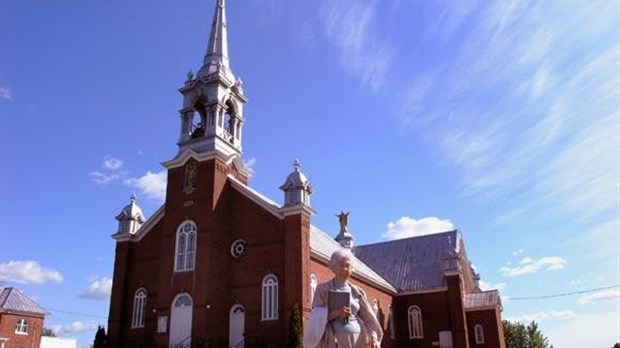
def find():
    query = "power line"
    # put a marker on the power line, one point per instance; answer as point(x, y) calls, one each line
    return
point(77, 313)
point(564, 294)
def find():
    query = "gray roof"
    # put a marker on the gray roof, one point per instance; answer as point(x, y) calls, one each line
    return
point(482, 300)
point(322, 246)
point(12, 299)
point(414, 263)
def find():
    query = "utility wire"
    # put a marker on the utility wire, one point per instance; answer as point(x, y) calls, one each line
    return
point(564, 294)
point(77, 313)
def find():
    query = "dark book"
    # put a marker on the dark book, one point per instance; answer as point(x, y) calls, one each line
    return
point(337, 300)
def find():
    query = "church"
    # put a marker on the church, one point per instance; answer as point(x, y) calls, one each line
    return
point(221, 265)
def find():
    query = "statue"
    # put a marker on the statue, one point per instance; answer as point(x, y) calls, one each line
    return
point(343, 218)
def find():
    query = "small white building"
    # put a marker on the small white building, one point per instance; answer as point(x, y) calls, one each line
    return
point(57, 342)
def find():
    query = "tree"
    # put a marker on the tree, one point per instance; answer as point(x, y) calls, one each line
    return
point(520, 336)
point(48, 332)
point(295, 337)
point(617, 345)
point(101, 339)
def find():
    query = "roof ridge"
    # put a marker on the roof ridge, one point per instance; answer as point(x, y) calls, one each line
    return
point(408, 238)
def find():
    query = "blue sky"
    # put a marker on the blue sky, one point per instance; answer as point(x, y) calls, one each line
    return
point(498, 118)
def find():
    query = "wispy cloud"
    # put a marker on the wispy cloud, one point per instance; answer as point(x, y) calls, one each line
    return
point(5, 93)
point(103, 179)
point(112, 163)
point(28, 272)
point(484, 286)
point(152, 185)
point(595, 330)
point(347, 25)
point(72, 328)
point(99, 289)
point(529, 266)
point(543, 316)
point(608, 294)
point(527, 107)
point(409, 227)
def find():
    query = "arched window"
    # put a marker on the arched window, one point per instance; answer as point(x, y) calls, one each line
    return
point(479, 333)
point(270, 298)
point(391, 323)
point(139, 308)
point(313, 283)
point(414, 314)
point(186, 247)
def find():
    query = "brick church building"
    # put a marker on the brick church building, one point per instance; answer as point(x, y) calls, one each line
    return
point(221, 265)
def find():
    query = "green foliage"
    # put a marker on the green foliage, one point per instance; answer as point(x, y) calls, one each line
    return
point(295, 337)
point(520, 336)
point(101, 338)
point(48, 332)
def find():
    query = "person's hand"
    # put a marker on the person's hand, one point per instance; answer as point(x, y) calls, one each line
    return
point(340, 313)
point(375, 343)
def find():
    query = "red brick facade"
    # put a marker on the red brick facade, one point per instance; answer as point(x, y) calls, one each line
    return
point(13, 339)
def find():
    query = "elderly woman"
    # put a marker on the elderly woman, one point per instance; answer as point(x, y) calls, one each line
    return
point(353, 326)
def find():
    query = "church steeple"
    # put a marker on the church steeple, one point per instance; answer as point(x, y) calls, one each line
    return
point(216, 57)
point(213, 100)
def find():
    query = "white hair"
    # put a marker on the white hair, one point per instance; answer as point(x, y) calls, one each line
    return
point(338, 255)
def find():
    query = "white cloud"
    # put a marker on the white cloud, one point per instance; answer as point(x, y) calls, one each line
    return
point(28, 272)
point(103, 179)
point(99, 289)
point(484, 286)
point(112, 163)
point(529, 265)
point(347, 25)
point(152, 185)
point(608, 294)
point(409, 227)
point(594, 330)
point(543, 316)
point(5, 93)
point(73, 328)
point(518, 252)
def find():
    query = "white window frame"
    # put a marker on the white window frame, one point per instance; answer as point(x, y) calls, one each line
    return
point(414, 315)
point(479, 334)
point(269, 296)
point(314, 281)
point(139, 308)
point(22, 326)
point(185, 248)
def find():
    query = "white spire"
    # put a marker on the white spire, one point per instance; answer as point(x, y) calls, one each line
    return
point(216, 57)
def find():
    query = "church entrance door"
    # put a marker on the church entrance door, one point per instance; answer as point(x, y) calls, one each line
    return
point(237, 327)
point(181, 322)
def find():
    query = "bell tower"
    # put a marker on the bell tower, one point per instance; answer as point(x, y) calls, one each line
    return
point(213, 99)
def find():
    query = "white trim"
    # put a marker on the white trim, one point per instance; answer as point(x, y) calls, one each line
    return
point(414, 322)
point(423, 291)
point(479, 339)
point(143, 230)
point(256, 197)
point(269, 297)
point(139, 308)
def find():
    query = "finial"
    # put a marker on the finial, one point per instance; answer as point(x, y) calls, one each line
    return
point(133, 197)
point(296, 164)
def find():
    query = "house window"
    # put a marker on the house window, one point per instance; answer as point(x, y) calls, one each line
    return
point(479, 333)
point(270, 298)
point(186, 247)
point(22, 327)
point(391, 323)
point(415, 322)
point(139, 308)
point(313, 283)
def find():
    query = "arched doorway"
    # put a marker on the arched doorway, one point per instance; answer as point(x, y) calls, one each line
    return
point(237, 326)
point(181, 321)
